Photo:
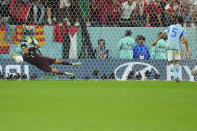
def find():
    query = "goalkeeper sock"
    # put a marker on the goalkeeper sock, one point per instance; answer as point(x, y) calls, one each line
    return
point(61, 73)
point(66, 63)
point(173, 69)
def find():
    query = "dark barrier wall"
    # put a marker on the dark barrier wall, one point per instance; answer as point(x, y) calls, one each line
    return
point(121, 69)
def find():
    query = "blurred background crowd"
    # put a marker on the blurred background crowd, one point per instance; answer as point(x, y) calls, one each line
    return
point(96, 13)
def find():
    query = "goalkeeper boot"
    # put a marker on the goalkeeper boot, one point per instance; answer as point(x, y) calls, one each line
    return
point(77, 64)
point(69, 74)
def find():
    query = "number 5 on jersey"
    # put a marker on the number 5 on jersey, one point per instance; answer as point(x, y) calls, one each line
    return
point(174, 32)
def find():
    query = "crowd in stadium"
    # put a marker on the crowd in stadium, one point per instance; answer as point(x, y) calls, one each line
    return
point(115, 13)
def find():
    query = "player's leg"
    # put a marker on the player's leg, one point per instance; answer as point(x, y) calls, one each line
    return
point(177, 61)
point(170, 54)
point(62, 62)
point(66, 63)
point(61, 73)
point(47, 68)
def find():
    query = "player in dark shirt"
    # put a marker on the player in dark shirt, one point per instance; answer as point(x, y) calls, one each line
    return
point(42, 62)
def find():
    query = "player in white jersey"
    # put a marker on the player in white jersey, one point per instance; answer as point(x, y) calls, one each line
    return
point(175, 34)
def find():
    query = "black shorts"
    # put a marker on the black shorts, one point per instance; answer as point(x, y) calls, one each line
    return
point(45, 65)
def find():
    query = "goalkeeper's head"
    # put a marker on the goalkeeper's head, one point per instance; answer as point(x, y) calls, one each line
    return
point(24, 48)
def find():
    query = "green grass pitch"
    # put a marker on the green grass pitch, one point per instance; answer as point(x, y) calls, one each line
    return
point(98, 106)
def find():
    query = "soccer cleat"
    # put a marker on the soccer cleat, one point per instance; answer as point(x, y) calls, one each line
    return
point(178, 80)
point(77, 64)
point(69, 74)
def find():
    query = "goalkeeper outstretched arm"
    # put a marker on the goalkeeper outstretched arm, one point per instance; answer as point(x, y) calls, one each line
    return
point(36, 45)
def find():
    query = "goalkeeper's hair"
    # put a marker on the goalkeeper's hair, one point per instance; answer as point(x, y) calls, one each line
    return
point(23, 45)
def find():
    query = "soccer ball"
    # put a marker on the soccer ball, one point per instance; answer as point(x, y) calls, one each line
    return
point(19, 59)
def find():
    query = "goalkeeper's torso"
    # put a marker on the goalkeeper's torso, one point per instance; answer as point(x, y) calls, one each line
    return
point(33, 57)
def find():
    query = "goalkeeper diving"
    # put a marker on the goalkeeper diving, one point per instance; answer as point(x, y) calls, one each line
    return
point(31, 56)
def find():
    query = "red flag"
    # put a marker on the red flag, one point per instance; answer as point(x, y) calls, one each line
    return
point(19, 11)
point(60, 30)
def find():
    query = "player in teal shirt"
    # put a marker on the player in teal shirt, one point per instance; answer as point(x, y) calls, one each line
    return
point(125, 46)
point(175, 34)
point(159, 51)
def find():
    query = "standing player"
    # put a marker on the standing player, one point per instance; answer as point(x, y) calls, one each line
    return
point(159, 51)
point(31, 56)
point(175, 34)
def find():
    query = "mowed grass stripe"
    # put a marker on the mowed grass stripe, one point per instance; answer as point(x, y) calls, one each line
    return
point(97, 106)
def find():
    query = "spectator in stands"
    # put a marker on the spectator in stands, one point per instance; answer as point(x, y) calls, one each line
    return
point(140, 16)
point(159, 51)
point(114, 13)
point(153, 15)
point(51, 6)
point(85, 10)
point(38, 4)
point(99, 13)
point(125, 46)
point(101, 51)
point(75, 12)
point(140, 51)
point(162, 4)
point(4, 12)
point(170, 12)
point(64, 4)
point(193, 14)
point(128, 10)
point(187, 20)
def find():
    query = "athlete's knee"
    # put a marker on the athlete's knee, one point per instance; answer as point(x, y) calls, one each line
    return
point(46, 69)
point(57, 61)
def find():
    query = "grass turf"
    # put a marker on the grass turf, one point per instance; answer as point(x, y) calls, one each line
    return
point(97, 106)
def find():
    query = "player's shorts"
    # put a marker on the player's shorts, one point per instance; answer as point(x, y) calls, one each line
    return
point(174, 55)
point(45, 64)
point(64, 3)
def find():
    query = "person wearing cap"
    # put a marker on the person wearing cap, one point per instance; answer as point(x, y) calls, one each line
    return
point(125, 46)
point(140, 51)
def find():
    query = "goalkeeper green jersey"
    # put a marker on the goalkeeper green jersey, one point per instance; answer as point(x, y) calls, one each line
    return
point(125, 46)
point(159, 51)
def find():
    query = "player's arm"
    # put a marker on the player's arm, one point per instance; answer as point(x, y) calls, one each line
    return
point(14, 56)
point(186, 44)
point(159, 37)
point(36, 45)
